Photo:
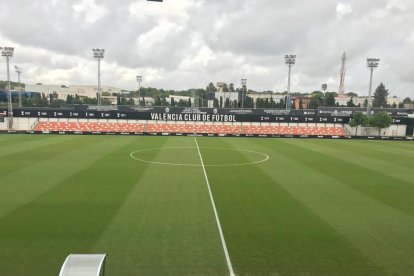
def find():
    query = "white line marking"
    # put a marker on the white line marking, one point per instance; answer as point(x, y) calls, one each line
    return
point(223, 242)
point(265, 157)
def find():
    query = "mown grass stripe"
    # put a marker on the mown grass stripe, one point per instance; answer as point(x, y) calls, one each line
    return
point(165, 227)
point(18, 160)
point(69, 218)
point(380, 162)
point(223, 241)
point(29, 182)
point(270, 232)
point(399, 157)
point(384, 234)
point(383, 187)
point(29, 142)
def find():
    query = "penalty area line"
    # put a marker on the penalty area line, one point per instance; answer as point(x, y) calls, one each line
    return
point(223, 242)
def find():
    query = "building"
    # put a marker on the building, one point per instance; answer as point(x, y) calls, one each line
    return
point(63, 91)
point(360, 101)
point(265, 95)
point(393, 101)
point(297, 99)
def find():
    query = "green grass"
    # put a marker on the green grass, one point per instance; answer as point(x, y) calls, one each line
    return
point(316, 207)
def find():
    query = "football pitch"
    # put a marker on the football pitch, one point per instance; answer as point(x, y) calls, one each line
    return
point(178, 205)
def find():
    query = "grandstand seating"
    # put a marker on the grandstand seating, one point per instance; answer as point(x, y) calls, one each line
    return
point(193, 128)
point(294, 130)
point(188, 128)
point(94, 127)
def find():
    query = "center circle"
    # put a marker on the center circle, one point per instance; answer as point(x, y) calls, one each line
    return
point(177, 153)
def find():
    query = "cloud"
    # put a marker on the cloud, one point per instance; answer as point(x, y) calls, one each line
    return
point(179, 44)
point(88, 10)
point(342, 9)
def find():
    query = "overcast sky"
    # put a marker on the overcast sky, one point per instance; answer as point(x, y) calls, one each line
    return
point(181, 44)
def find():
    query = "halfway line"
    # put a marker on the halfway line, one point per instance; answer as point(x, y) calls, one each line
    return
point(223, 242)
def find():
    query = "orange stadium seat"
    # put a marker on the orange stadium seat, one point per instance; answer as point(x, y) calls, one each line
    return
point(189, 128)
point(299, 130)
point(92, 127)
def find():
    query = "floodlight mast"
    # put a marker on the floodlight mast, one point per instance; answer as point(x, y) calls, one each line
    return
point(243, 91)
point(19, 71)
point(99, 54)
point(289, 60)
point(372, 63)
point(8, 53)
point(139, 80)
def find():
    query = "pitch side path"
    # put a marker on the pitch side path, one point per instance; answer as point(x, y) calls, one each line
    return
point(206, 206)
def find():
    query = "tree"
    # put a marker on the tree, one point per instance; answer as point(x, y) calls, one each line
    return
point(226, 88)
point(231, 87)
point(300, 103)
point(211, 87)
point(164, 102)
point(381, 120)
point(221, 101)
point(365, 103)
point(227, 102)
point(407, 100)
point(350, 103)
point(235, 103)
point(316, 100)
point(358, 119)
point(352, 94)
point(157, 101)
point(172, 101)
point(281, 103)
point(329, 99)
point(69, 99)
point(380, 96)
point(215, 103)
point(182, 103)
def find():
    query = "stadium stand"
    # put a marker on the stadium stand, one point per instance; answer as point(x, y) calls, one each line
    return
point(86, 126)
point(189, 128)
point(193, 128)
point(294, 130)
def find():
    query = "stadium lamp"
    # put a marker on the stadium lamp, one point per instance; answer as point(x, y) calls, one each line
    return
point(244, 91)
point(372, 63)
point(139, 80)
point(289, 60)
point(19, 72)
point(99, 54)
point(8, 53)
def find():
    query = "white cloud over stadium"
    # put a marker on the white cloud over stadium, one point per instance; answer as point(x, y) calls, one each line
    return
point(181, 44)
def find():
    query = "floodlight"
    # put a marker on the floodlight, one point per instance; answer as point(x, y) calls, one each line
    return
point(372, 63)
point(99, 54)
point(290, 59)
point(7, 51)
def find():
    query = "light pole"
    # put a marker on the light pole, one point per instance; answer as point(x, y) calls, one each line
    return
point(99, 54)
point(289, 60)
point(372, 63)
point(244, 90)
point(139, 80)
point(324, 87)
point(8, 53)
point(19, 71)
